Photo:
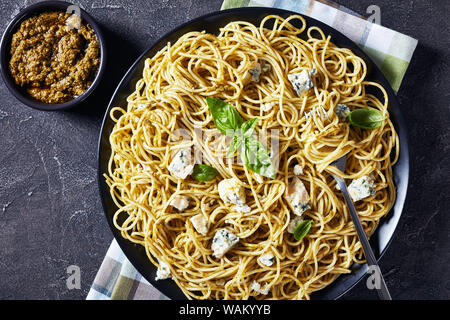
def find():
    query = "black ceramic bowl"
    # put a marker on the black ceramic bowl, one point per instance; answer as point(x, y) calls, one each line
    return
point(5, 46)
point(212, 23)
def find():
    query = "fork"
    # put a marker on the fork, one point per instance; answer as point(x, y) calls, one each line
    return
point(382, 290)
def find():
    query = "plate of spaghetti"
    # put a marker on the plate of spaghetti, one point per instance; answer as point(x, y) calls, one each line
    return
point(215, 159)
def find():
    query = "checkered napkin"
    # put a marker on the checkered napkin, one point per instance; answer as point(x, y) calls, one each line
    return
point(390, 50)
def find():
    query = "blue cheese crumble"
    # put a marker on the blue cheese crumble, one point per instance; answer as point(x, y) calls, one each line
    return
point(200, 224)
point(266, 107)
point(362, 188)
point(255, 286)
point(302, 81)
point(298, 170)
point(163, 271)
point(252, 73)
point(342, 111)
point(297, 196)
point(255, 72)
point(222, 242)
point(180, 202)
point(231, 192)
point(293, 224)
point(182, 164)
point(267, 259)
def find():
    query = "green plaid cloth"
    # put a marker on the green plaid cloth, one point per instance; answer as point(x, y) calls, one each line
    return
point(117, 279)
point(390, 50)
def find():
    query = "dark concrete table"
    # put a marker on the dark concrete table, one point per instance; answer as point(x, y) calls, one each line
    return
point(50, 210)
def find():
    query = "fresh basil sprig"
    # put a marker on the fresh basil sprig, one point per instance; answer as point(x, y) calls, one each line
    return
point(203, 172)
point(225, 116)
point(303, 229)
point(234, 145)
point(365, 118)
point(248, 127)
point(252, 152)
point(256, 158)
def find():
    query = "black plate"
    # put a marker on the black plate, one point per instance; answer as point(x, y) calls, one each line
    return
point(211, 23)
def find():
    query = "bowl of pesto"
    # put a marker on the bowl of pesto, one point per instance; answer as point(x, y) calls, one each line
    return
point(52, 55)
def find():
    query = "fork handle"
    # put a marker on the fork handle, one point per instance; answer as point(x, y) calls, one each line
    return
point(383, 291)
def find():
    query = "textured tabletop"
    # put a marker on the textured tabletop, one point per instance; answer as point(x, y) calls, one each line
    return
point(50, 210)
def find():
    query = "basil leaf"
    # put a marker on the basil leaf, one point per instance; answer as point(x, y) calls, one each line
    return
point(225, 116)
point(229, 122)
point(255, 157)
point(366, 118)
point(234, 145)
point(248, 127)
point(239, 136)
point(203, 172)
point(303, 229)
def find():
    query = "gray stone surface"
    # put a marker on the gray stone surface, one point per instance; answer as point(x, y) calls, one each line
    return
point(50, 210)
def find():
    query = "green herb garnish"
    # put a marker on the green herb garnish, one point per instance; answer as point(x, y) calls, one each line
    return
point(366, 118)
point(248, 127)
point(252, 152)
point(303, 229)
point(235, 142)
point(256, 158)
point(203, 172)
point(225, 116)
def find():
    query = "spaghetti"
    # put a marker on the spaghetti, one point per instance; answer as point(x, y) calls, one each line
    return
point(172, 96)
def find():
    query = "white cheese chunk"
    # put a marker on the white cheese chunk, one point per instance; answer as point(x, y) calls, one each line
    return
point(266, 107)
point(297, 197)
point(180, 202)
point(362, 188)
point(182, 164)
point(342, 111)
point(222, 242)
point(200, 224)
point(267, 259)
point(231, 192)
point(293, 224)
point(244, 208)
point(255, 286)
point(302, 81)
point(142, 106)
point(252, 73)
point(220, 282)
point(163, 271)
point(255, 72)
point(298, 170)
